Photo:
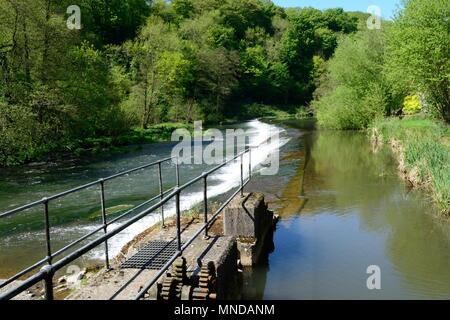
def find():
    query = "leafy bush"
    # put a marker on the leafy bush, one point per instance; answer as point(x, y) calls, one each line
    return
point(256, 110)
point(303, 113)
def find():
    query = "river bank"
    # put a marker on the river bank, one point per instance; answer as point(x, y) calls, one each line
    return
point(131, 140)
point(422, 149)
point(95, 147)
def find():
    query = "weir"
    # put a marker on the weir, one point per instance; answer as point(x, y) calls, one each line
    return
point(155, 258)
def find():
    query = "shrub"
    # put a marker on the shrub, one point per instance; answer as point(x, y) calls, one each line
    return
point(411, 105)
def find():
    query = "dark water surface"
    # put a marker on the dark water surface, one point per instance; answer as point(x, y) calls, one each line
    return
point(344, 208)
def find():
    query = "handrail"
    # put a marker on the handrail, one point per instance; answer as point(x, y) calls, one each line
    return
point(179, 252)
point(45, 201)
point(79, 188)
point(48, 271)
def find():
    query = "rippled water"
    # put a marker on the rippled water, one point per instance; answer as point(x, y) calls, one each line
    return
point(343, 209)
point(22, 239)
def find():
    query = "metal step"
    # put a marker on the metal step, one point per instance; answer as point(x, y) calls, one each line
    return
point(153, 255)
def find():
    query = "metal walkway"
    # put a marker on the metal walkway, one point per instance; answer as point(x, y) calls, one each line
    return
point(152, 256)
point(157, 255)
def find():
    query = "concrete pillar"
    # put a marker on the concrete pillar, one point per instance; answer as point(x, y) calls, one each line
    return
point(249, 220)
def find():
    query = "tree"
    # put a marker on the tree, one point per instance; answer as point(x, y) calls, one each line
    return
point(418, 53)
point(216, 73)
point(183, 8)
point(157, 67)
point(311, 32)
point(55, 88)
point(354, 92)
point(114, 21)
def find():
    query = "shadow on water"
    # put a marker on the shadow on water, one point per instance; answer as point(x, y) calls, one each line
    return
point(344, 208)
point(254, 279)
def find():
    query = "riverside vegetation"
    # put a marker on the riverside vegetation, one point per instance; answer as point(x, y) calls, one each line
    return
point(423, 150)
point(138, 69)
point(402, 69)
point(137, 64)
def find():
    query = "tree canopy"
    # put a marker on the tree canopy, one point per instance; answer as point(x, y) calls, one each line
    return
point(136, 63)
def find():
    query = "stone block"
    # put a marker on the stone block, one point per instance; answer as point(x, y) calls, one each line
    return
point(247, 217)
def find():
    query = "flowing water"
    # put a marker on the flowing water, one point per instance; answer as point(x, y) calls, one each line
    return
point(342, 206)
point(343, 209)
point(22, 237)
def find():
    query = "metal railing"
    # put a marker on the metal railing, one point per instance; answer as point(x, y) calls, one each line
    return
point(47, 272)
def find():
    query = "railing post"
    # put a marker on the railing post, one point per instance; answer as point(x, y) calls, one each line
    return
point(47, 231)
point(205, 203)
point(177, 205)
point(249, 162)
point(161, 192)
point(177, 173)
point(104, 221)
point(48, 282)
point(242, 175)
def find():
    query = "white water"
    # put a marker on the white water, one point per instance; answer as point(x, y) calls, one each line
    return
point(221, 182)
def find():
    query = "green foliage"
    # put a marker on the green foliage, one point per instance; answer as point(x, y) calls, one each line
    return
point(113, 21)
point(426, 151)
point(56, 87)
point(373, 72)
point(311, 33)
point(418, 53)
point(303, 113)
point(138, 63)
point(18, 130)
point(355, 92)
point(255, 110)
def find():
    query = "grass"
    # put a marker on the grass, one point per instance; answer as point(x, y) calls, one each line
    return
point(425, 151)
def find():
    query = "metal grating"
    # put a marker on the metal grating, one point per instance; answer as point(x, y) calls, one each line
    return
point(153, 255)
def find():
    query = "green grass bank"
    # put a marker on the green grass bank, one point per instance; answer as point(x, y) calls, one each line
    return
point(422, 147)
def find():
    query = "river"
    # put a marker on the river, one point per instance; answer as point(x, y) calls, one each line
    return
point(344, 208)
point(342, 205)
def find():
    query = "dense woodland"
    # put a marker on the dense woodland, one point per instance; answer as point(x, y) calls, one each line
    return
point(137, 63)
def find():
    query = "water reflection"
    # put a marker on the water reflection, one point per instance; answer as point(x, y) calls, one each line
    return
point(358, 213)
